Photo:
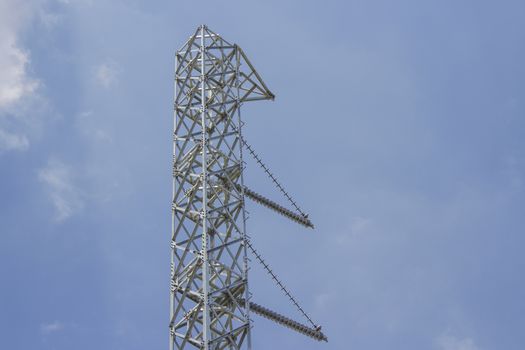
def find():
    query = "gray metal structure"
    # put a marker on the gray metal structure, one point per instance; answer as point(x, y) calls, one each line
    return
point(210, 301)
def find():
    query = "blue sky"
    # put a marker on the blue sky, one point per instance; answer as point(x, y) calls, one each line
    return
point(397, 125)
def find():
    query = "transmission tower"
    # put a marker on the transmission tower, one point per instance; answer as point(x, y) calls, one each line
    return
point(210, 303)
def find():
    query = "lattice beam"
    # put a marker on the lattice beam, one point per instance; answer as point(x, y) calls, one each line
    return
point(209, 264)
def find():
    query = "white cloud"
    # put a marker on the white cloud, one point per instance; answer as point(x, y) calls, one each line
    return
point(18, 88)
point(49, 19)
point(447, 342)
point(15, 81)
point(357, 227)
point(107, 73)
point(64, 195)
point(75, 2)
point(9, 142)
point(324, 299)
point(90, 126)
point(47, 328)
point(513, 168)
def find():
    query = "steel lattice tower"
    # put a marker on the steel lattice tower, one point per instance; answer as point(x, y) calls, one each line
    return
point(209, 300)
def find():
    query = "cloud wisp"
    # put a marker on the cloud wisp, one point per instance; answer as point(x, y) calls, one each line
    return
point(51, 327)
point(65, 196)
point(13, 142)
point(447, 342)
point(107, 74)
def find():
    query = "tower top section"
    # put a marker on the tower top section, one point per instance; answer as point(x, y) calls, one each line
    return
point(208, 55)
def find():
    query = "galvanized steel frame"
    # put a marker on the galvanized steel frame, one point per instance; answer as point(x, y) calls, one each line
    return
point(209, 298)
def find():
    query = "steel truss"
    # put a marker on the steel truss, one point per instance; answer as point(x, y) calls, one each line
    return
point(209, 300)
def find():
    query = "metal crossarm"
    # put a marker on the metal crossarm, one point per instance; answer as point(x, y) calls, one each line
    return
point(256, 197)
point(303, 220)
point(288, 322)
